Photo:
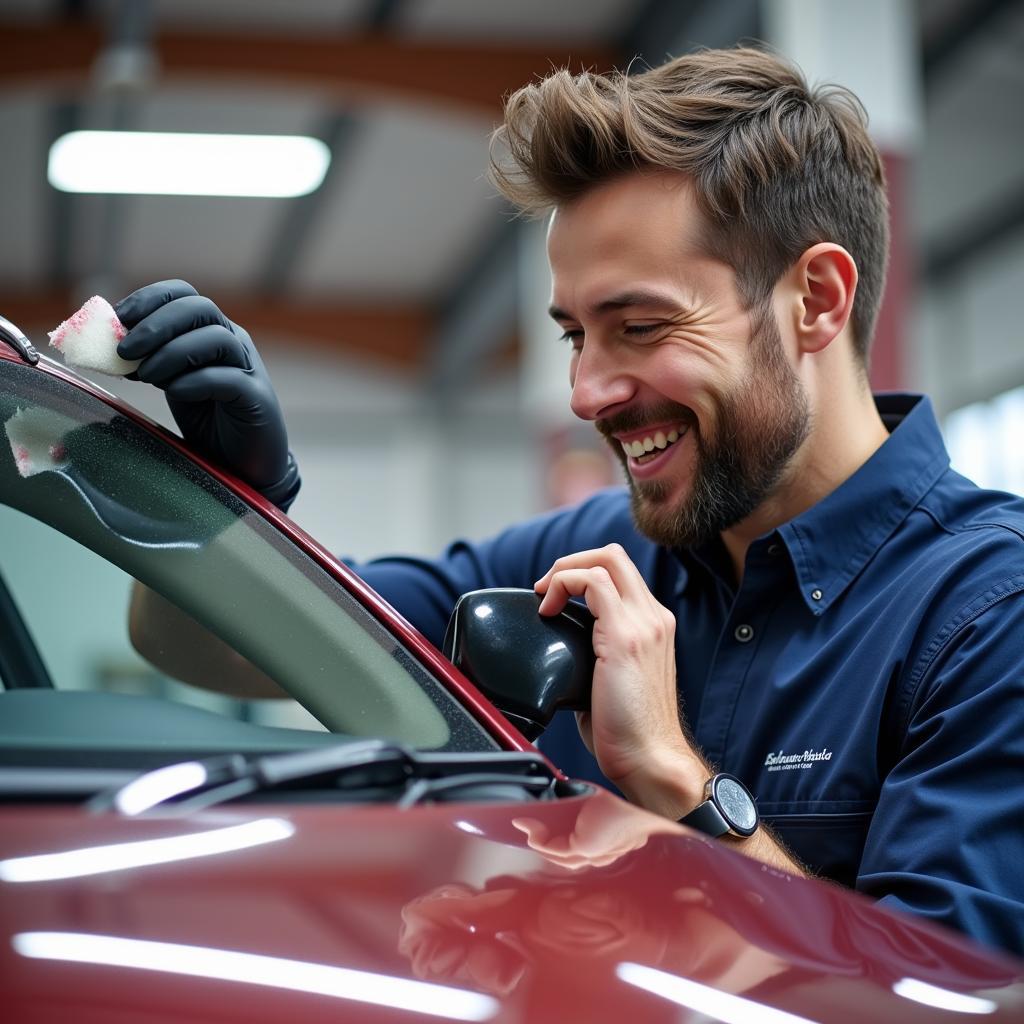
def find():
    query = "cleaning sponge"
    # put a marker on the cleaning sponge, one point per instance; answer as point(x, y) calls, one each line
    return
point(88, 339)
point(36, 437)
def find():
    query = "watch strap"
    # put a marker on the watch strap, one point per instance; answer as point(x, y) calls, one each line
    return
point(706, 818)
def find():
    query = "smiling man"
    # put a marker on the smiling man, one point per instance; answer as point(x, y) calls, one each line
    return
point(697, 397)
point(709, 407)
point(795, 596)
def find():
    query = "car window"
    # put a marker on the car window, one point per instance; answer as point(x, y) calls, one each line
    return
point(97, 513)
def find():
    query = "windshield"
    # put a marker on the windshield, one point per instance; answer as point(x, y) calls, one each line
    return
point(112, 544)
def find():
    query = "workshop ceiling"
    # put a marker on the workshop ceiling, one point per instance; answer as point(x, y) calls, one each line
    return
point(405, 92)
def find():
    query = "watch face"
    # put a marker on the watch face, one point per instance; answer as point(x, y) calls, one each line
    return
point(736, 804)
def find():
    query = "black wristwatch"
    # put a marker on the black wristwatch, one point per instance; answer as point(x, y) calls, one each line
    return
point(728, 807)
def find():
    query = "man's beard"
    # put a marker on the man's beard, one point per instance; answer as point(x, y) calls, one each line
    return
point(760, 425)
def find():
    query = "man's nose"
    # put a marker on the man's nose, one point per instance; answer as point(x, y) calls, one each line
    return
point(599, 383)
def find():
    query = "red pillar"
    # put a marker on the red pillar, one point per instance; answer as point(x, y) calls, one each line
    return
point(891, 346)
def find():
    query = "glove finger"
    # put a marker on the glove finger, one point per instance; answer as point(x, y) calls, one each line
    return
point(207, 346)
point(143, 301)
point(173, 318)
point(216, 384)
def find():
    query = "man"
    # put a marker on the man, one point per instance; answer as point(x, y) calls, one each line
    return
point(796, 589)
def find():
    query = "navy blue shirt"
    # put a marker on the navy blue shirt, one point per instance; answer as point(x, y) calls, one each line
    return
point(866, 679)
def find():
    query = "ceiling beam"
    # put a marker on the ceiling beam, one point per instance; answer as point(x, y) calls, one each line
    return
point(341, 131)
point(946, 257)
point(479, 315)
point(394, 336)
point(480, 312)
point(64, 117)
point(664, 28)
point(472, 75)
point(970, 21)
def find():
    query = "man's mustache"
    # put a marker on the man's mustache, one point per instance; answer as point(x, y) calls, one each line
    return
point(635, 418)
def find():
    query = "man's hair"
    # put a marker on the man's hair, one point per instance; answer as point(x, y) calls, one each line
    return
point(776, 166)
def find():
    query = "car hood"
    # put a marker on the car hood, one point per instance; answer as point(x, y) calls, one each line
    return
point(579, 909)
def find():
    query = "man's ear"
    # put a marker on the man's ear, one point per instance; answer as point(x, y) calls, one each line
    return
point(824, 281)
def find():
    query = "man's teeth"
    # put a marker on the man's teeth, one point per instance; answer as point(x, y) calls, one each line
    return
point(648, 444)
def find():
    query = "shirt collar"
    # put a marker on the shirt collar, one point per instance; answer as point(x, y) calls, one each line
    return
point(832, 541)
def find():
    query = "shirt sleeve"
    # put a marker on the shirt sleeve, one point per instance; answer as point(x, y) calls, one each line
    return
point(946, 840)
point(425, 590)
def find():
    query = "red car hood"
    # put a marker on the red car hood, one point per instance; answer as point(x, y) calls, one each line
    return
point(576, 910)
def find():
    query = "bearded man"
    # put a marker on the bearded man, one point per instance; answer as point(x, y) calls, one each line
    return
point(795, 589)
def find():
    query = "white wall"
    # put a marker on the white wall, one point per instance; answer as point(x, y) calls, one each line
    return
point(968, 350)
point(385, 470)
point(969, 336)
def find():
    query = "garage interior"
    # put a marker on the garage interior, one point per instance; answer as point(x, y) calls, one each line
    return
point(399, 306)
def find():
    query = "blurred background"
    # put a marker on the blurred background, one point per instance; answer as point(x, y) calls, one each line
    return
point(399, 305)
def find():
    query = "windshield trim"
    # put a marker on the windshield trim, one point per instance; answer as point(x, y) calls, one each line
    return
point(430, 658)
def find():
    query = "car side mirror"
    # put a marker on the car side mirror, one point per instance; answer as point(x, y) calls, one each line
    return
point(529, 665)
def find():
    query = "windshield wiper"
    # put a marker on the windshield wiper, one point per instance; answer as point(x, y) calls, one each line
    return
point(366, 769)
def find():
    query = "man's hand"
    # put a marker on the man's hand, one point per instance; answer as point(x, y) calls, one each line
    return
point(217, 387)
point(600, 834)
point(633, 727)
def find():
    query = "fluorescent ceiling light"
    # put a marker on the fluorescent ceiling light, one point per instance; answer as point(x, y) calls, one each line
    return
point(187, 164)
point(98, 860)
point(707, 1001)
point(255, 969)
point(942, 998)
point(155, 787)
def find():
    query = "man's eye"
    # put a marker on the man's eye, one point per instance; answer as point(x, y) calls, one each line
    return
point(641, 330)
point(574, 337)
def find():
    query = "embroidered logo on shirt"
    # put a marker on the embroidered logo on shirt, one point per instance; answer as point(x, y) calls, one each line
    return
point(783, 762)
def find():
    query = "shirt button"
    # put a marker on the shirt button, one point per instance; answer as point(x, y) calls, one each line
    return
point(815, 595)
point(774, 549)
point(744, 633)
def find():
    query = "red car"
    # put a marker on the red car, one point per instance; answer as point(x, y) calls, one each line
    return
point(404, 854)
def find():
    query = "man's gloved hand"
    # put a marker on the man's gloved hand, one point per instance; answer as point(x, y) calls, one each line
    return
point(217, 387)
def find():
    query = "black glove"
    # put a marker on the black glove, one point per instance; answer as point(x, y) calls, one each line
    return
point(216, 385)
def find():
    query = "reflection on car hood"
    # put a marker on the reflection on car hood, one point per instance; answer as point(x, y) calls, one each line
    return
point(582, 909)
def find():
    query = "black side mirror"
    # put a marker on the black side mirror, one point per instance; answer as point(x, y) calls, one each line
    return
point(529, 665)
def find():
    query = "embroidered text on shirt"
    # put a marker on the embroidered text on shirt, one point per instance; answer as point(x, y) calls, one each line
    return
point(782, 762)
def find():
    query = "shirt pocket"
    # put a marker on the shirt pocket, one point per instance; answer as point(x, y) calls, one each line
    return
point(829, 845)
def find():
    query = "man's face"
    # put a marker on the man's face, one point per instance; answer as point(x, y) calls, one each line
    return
point(696, 398)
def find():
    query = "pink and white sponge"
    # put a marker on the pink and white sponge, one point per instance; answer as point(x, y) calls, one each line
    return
point(36, 437)
point(88, 339)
